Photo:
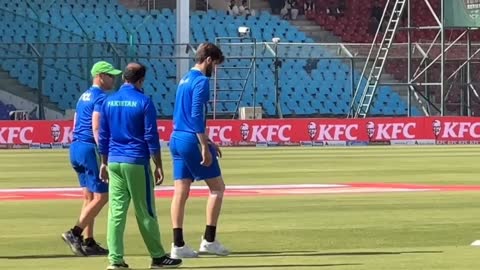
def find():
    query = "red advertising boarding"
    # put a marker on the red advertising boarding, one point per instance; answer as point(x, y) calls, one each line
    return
point(414, 130)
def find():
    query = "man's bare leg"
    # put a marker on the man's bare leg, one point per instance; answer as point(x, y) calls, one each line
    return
point(87, 198)
point(214, 205)
point(92, 209)
point(177, 211)
point(89, 212)
point(215, 200)
point(180, 196)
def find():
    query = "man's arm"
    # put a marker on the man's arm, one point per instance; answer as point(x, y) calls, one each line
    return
point(96, 116)
point(201, 95)
point(151, 133)
point(96, 125)
point(103, 136)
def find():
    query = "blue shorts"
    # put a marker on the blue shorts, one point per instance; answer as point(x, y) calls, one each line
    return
point(84, 160)
point(186, 161)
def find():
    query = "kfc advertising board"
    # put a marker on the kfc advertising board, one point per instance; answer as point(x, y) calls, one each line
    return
point(322, 131)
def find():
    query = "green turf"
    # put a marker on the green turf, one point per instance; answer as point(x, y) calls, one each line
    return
point(401, 231)
point(357, 231)
point(439, 165)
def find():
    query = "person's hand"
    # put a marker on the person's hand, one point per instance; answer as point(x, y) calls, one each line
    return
point(217, 149)
point(104, 173)
point(158, 174)
point(206, 156)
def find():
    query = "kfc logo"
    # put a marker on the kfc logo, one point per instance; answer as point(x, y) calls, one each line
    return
point(460, 130)
point(220, 133)
point(162, 136)
point(337, 132)
point(370, 130)
point(16, 135)
point(390, 131)
point(312, 130)
point(55, 131)
point(253, 132)
point(436, 128)
point(244, 131)
point(265, 133)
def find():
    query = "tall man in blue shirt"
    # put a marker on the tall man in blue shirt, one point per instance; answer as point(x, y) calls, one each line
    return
point(194, 155)
point(83, 157)
point(128, 138)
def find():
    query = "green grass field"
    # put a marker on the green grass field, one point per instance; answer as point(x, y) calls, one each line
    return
point(426, 230)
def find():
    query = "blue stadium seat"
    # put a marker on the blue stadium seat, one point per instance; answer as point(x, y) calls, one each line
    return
point(323, 88)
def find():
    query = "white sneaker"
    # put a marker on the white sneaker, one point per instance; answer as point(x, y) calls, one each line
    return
point(182, 252)
point(475, 243)
point(213, 248)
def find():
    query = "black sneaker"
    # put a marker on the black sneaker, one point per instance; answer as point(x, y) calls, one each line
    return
point(114, 266)
point(95, 250)
point(74, 242)
point(165, 262)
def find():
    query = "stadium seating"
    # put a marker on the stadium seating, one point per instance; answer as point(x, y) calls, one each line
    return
point(321, 89)
point(353, 27)
point(5, 109)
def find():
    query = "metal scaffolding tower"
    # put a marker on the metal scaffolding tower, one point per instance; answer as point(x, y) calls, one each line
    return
point(376, 66)
point(235, 77)
point(419, 85)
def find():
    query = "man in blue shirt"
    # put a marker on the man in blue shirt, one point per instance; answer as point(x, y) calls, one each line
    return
point(83, 157)
point(128, 138)
point(194, 155)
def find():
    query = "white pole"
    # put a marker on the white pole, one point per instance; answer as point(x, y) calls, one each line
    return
point(183, 36)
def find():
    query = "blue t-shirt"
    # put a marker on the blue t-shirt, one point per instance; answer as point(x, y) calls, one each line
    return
point(90, 101)
point(191, 102)
point(128, 127)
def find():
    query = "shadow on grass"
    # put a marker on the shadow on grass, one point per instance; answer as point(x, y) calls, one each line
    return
point(60, 256)
point(245, 254)
point(271, 252)
point(33, 257)
point(314, 254)
point(293, 266)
